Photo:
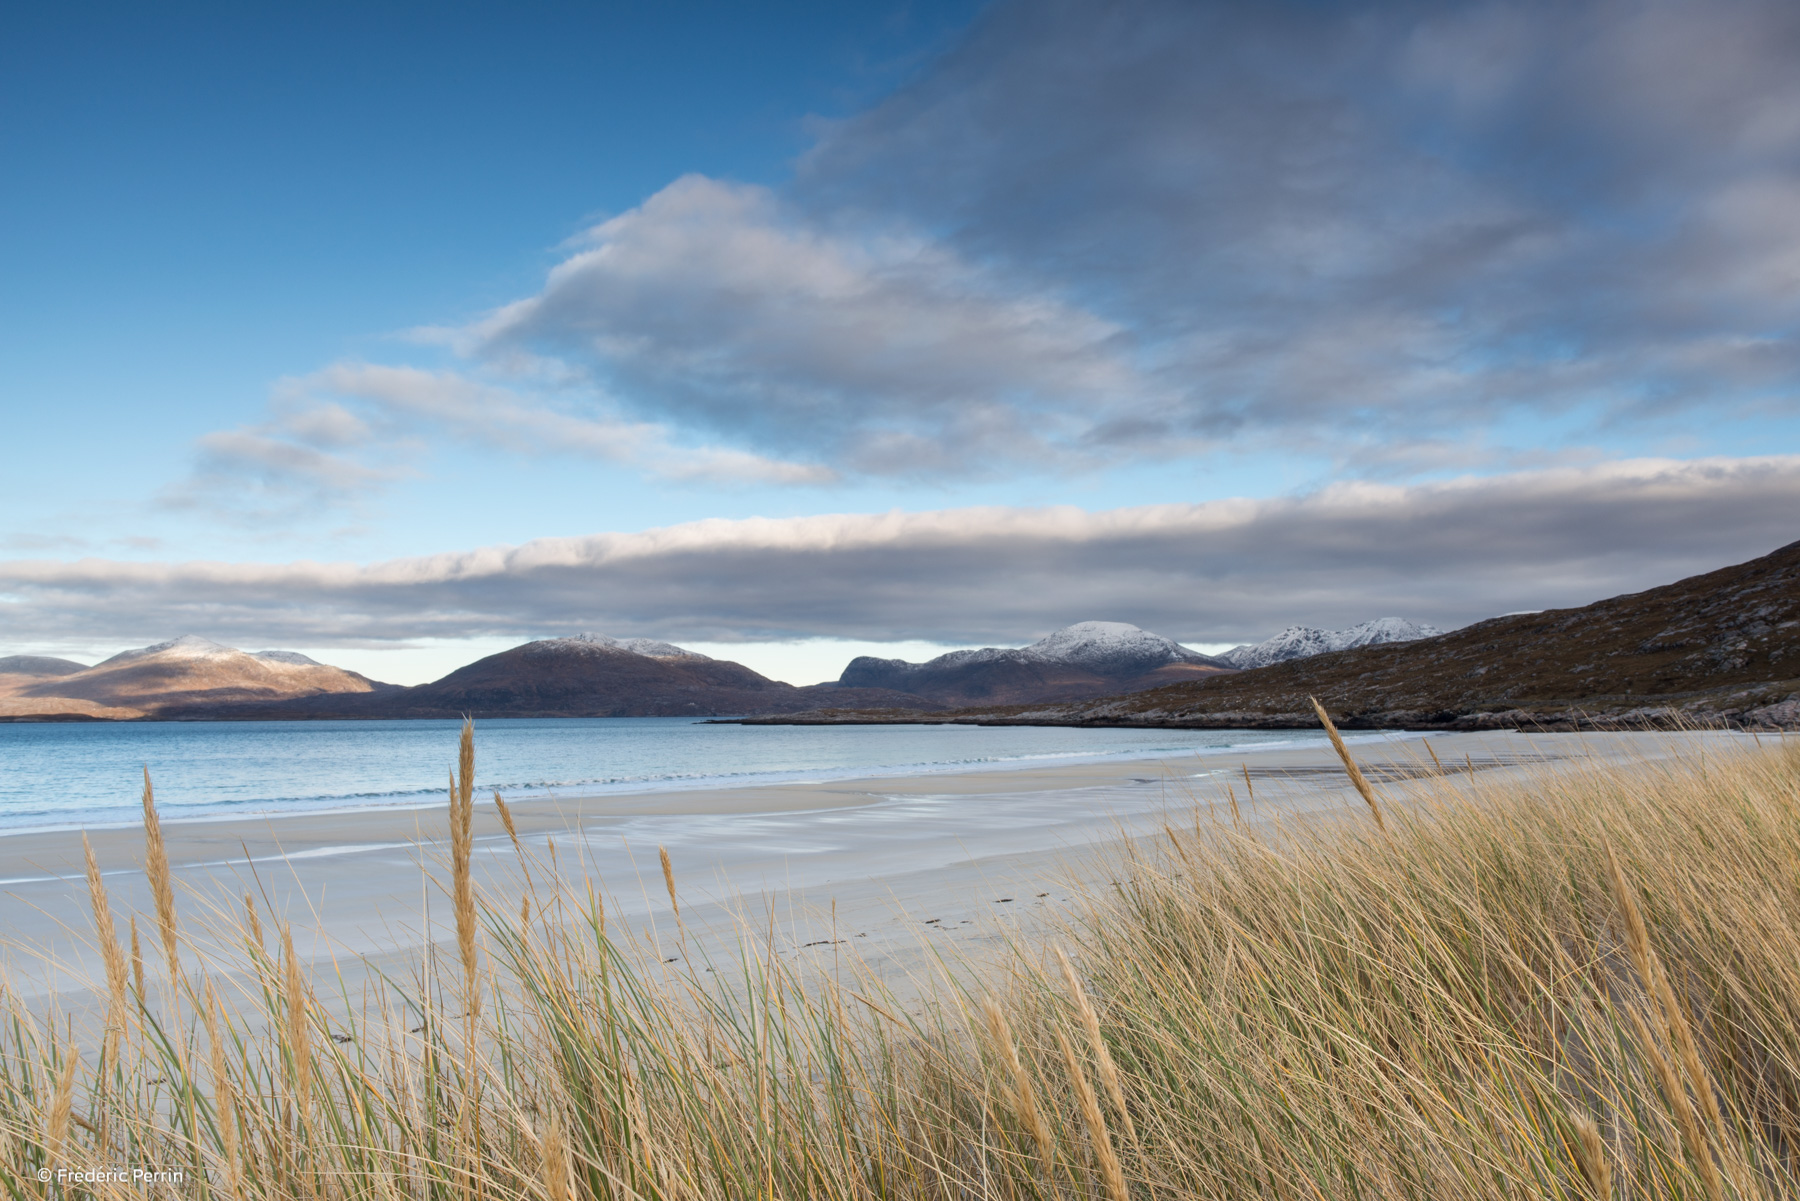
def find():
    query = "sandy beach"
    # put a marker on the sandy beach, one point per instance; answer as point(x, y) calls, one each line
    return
point(892, 872)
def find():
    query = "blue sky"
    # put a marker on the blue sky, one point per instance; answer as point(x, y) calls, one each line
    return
point(400, 333)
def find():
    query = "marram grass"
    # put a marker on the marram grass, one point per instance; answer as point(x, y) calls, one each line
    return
point(1583, 985)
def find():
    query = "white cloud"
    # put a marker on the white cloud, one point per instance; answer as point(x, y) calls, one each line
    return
point(1220, 571)
point(716, 304)
point(1094, 234)
point(351, 429)
point(1132, 230)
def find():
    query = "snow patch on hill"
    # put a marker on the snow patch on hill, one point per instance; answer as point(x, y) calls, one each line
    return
point(1112, 647)
point(1107, 648)
point(1303, 642)
point(193, 648)
point(188, 646)
point(650, 648)
point(291, 658)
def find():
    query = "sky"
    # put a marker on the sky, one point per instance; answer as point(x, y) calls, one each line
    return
point(402, 333)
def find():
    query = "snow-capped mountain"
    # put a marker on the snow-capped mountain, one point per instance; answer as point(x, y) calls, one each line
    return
point(1090, 658)
point(1301, 642)
point(185, 671)
point(1112, 648)
point(648, 647)
point(591, 675)
point(194, 647)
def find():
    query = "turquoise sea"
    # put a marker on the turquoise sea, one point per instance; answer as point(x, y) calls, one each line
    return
point(90, 774)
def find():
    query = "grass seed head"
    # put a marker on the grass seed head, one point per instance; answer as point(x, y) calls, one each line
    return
point(1024, 1096)
point(1590, 1149)
point(1357, 779)
point(111, 956)
point(162, 889)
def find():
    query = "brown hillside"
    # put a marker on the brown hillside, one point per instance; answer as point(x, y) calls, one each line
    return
point(1719, 648)
point(1010, 682)
point(187, 671)
point(566, 677)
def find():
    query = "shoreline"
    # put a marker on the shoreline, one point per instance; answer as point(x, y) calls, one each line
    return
point(357, 807)
point(903, 864)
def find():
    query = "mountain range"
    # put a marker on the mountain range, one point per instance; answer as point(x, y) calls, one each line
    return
point(591, 675)
point(1089, 659)
point(1718, 649)
point(1303, 642)
point(588, 675)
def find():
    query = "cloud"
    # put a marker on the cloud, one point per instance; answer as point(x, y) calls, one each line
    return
point(1103, 232)
point(279, 470)
point(340, 434)
point(1220, 571)
point(887, 350)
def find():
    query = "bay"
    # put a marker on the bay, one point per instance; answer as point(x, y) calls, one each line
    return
point(57, 775)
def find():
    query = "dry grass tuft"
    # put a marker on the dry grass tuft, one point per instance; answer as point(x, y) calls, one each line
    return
point(1583, 984)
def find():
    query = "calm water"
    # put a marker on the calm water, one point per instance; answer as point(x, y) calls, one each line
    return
point(90, 774)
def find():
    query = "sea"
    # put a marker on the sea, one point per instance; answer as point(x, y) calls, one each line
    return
point(90, 774)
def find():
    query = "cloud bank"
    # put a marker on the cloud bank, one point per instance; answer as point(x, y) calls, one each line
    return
point(1102, 232)
point(1402, 237)
point(1228, 570)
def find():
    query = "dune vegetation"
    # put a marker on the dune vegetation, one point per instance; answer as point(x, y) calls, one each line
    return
point(1582, 984)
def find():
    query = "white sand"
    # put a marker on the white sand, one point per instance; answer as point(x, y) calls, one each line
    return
point(988, 855)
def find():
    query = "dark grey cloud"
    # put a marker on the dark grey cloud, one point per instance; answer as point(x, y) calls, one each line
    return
point(1235, 570)
point(1101, 231)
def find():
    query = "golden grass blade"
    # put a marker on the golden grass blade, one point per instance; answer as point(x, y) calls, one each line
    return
point(1676, 1095)
point(1350, 769)
point(506, 820)
point(1675, 1021)
point(1591, 1151)
point(512, 832)
point(1090, 1022)
point(668, 871)
point(557, 1174)
point(156, 867)
point(1110, 1173)
point(1024, 1096)
point(224, 1099)
point(462, 815)
point(137, 960)
point(111, 956)
point(56, 1122)
point(297, 1030)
